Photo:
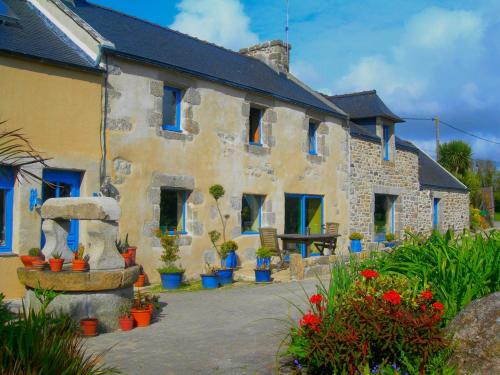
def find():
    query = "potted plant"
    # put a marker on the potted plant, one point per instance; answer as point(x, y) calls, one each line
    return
point(79, 264)
point(56, 262)
point(122, 247)
point(209, 278)
point(170, 273)
point(126, 320)
point(33, 254)
point(389, 238)
point(263, 257)
point(356, 245)
point(140, 279)
point(141, 310)
point(89, 326)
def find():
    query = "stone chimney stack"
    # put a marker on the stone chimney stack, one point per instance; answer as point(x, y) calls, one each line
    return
point(273, 53)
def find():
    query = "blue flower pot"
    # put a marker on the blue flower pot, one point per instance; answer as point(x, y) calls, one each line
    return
point(229, 261)
point(262, 276)
point(209, 281)
point(261, 262)
point(315, 254)
point(225, 277)
point(390, 244)
point(356, 246)
point(171, 280)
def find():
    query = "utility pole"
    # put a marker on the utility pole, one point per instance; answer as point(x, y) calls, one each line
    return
point(436, 120)
point(286, 35)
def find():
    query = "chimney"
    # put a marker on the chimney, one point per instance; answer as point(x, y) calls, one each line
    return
point(273, 53)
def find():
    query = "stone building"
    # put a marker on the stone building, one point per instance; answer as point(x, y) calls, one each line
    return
point(155, 117)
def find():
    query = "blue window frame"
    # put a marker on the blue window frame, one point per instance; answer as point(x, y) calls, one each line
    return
point(251, 216)
point(313, 143)
point(6, 208)
point(435, 219)
point(171, 109)
point(386, 142)
point(255, 127)
point(173, 211)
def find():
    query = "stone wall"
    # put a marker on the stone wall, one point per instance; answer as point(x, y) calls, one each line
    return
point(213, 148)
point(371, 175)
point(453, 209)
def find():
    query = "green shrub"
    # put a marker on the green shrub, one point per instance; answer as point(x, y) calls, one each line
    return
point(389, 237)
point(34, 252)
point(44, 343)
point(170, 253)
point(458, 268)
point(356, 236)
point(264, 252)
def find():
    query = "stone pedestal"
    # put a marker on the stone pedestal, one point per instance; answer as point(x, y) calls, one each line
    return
point(56, 236)
point(101, 247)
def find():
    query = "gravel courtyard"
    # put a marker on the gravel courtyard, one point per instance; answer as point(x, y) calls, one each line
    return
point(225, 331)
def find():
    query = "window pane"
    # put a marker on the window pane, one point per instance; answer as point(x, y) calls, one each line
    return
point(250, 209)
point(312, 138)
point(172, 210)
point(255, 115)
point(170, 107)
point(3, 217)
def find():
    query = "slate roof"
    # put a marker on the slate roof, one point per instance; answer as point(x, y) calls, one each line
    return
point(144, 41)
point(364, 104)
point(32, 35)
point(432, 175)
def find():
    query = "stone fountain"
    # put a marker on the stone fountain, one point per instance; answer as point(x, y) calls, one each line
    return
point(99, 292)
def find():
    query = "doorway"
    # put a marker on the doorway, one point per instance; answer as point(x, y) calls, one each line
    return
point(303, 215)
point(383, 216)
point(58, 183)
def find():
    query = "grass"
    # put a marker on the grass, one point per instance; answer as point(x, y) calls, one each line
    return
point(195, 286)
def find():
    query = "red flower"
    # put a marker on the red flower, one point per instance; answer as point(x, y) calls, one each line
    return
point(369, 274)
point(398, 314)
point(427, 294)
point(310, 320)
point(316, 299)
point(392, 297)
point(438, 306)
point(369, 298)
point(423, 307)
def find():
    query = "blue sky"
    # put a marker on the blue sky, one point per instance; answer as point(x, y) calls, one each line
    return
point(424, 58)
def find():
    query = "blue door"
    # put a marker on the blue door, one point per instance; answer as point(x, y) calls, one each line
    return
point(435, 219)
point(60, 183)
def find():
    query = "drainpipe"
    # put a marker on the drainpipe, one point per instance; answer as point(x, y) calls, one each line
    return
point(348, 135)
point(102, 167)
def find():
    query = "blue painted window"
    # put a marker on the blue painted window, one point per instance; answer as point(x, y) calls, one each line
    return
point(386, 142)
point(6, 207)
point(171, 109)
point(435, 219)
point(173, 211)
point(255, 125)
point(312, 138)
point(251, 207)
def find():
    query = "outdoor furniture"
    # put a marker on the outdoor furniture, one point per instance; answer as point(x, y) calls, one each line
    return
point(330, 228)
point(269, 239)
point(307, 239)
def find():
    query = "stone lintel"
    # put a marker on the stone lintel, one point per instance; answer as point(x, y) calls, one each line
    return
point(84, 208)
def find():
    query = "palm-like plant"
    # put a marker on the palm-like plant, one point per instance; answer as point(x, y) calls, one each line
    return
point(17, 153)
point(456, 157)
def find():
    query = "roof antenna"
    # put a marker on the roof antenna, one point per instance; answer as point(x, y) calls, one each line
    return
point(286, 34)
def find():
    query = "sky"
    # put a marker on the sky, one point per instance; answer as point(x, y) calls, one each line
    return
point(425, 58)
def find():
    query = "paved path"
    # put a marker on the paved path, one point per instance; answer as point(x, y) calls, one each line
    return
point(226, 331)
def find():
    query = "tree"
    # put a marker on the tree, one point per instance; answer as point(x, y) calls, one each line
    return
point(456, 157)
point(486, 170)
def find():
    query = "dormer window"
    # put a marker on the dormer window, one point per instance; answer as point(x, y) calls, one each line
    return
point(171, 109)
point(255, 126)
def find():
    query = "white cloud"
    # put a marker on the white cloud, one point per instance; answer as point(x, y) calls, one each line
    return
point(471, 95)
point(222, 22)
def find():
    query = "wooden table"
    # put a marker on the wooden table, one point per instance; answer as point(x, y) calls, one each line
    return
point(309, 239)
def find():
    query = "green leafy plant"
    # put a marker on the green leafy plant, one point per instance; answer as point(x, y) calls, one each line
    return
point(210, 270)
point(264, 252)
point(122, 245)
point(227, 247)
point(43, 342)
point(356, 236)
point(80, 253)
point(170, 255)
point(124, 309)
point(34, 252)
point(56, 255)
point(389, 237)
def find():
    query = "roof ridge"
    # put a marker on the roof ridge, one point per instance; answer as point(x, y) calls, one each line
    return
point(166, 28)
point(368, 92)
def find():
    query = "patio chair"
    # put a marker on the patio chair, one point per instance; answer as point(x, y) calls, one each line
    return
point(330, 228)
point(269, 239)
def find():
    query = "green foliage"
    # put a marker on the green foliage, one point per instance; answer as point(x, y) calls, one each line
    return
point(264, 252)
point(459, 268)
point(456, 157)
point(214, 237)
point(44, 342)
point(216, 191)
point(56, 255)
point(122, 246)
point(124, 310)
point(34, 252)
point(226, 248)
point(80, 254)
point(473, 182)
point(356, 236)
point(170, 255)
point(389, 237)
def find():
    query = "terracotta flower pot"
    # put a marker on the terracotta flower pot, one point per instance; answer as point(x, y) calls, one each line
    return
point(28, 260)
point(39, 264)
point(56, 264)
point(88, 326)
point(140, 281)
point(142, 318)
point(126, 257)
point(132, 250)
point(126, 323)
point(79, 265)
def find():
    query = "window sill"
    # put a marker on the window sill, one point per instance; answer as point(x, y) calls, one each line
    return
point(249, 233)
point(171, 129)
point(7, 254)
point(257, 149)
